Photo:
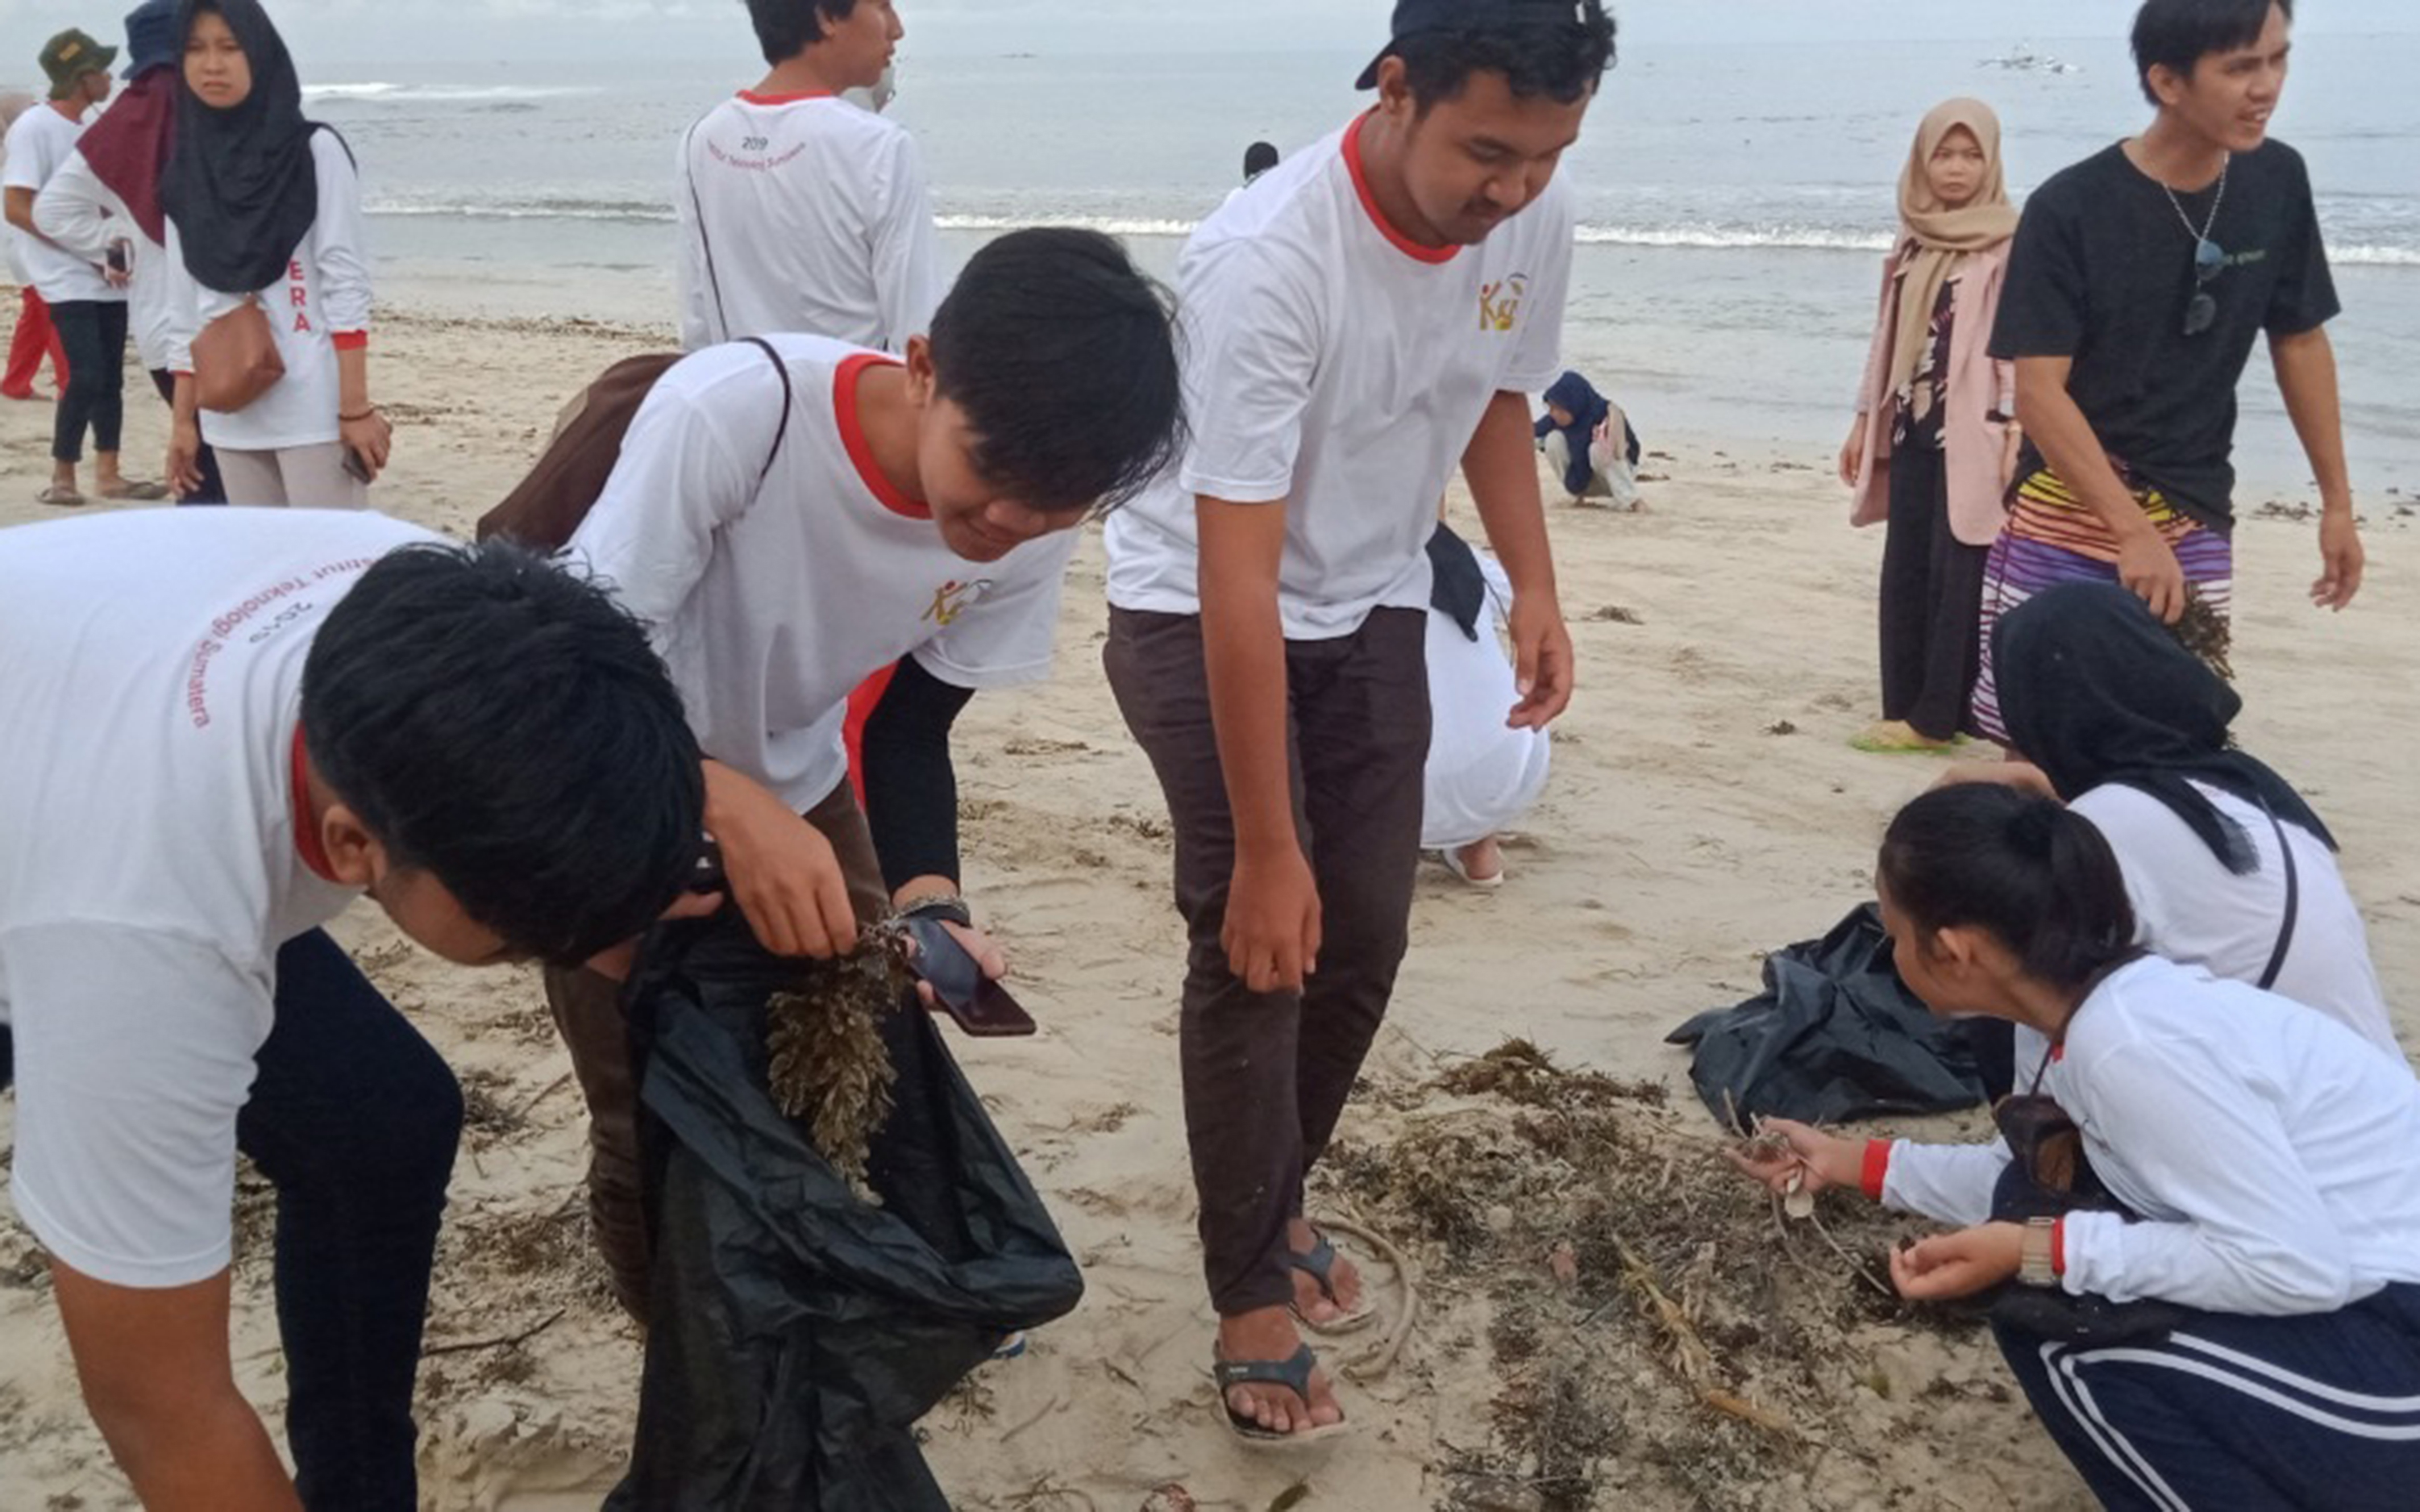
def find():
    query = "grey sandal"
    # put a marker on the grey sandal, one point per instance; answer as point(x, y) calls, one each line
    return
point(1292, 1374)
point(1319, 1263)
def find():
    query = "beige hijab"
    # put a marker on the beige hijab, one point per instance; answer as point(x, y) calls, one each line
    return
point(1944, 236)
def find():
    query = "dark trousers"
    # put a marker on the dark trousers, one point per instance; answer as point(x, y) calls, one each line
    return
point(1267, 1075)
point(2303, 1413)
point(213, 489)
point(1932, 601)
point(94, 333)
point(353, 1119)
point(588, 1013)
point(33, 338)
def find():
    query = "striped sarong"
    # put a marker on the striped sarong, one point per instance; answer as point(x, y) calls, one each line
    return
point(2054, 538)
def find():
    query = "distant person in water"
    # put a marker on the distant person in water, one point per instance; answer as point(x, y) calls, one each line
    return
point(1935, 444)
point(1257, 159)
point(1589, 442)
point(2138, 284)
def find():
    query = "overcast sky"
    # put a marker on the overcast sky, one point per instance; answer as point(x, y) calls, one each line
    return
point(530, 30)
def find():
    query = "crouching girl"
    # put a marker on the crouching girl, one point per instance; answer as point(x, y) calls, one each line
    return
point(2200, 1235)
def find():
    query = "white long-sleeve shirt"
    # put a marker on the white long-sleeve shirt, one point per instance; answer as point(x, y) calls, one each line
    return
point(2267, 1148)
point(803, 214)
point(322, 306)
point(86, 216)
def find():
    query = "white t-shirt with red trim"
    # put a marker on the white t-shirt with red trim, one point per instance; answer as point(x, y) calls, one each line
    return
point(148, 863)
point(1335, 365)
point(322, 306)
point(803, 213)
point(2266, 1150)
point(770, 601)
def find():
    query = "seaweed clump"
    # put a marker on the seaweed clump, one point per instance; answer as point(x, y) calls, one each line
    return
point(829, 1069)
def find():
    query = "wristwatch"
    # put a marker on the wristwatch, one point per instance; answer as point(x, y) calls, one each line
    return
point(947, 906)
point(2036, 1267)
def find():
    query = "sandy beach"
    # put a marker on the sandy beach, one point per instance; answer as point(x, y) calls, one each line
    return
point(1705, 809)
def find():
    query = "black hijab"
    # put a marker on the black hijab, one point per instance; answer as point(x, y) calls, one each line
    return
point(2094, 690)
point(1588, 410)
point(241, 183)
point(1457, 585)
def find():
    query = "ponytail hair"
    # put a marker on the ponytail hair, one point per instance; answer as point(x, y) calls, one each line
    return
point(2037, 876)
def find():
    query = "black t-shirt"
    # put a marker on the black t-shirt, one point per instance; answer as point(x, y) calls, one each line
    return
point(2102, 271)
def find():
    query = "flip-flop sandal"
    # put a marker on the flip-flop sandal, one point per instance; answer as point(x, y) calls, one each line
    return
point(1454, 863)
point(1319, 1263)
point(1873, 742)
point(136, 493)
point(1011, 1347)
point(59, 498)
point(1294, 1376)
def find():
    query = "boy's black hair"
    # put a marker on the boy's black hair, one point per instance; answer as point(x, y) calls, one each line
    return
point(1561, 60)
point(1259, 159)
point(505, 727)
point(2025, 868)
point(2178, 34)
point(785, 28)
point(1062, 357)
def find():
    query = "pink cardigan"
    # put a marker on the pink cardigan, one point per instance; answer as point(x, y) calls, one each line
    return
point(1979, 387)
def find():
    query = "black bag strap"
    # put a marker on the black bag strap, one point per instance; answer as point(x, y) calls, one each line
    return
point(706, 243)
point(2293, 902)
point(789, 401)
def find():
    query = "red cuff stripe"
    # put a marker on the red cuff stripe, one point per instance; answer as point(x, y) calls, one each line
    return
point(351, 341)
point(1878, 1158)
point(2058, 1248)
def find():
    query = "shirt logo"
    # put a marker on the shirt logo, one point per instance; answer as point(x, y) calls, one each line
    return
point(1500, 304)
point(953, 599)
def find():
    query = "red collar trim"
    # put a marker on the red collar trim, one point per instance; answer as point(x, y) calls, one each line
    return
point(306, 835)
point(2058, 1051)
point(802, 97)
point(852, 435)
point(1403, 243)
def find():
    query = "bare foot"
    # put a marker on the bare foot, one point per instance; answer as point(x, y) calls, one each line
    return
point(1269, 1334)
point(1308, 1300)
point(1482, 860)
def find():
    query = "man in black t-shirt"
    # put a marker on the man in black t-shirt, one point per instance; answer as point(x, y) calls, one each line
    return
point(2140, 280)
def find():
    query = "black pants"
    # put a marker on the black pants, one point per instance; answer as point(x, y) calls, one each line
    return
point(93, 332)
point(1932, 601)
point(353, 1119)
point(213, 490)
point(1267, 1074)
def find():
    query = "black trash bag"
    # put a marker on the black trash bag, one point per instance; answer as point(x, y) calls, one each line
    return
point(799, 1331)
point(1835, 1036)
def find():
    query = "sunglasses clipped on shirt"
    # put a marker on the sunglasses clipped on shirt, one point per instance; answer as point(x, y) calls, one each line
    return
point(2210, 260)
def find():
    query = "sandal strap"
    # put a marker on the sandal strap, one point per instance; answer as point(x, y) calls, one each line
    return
point(1319, 1263)
point(1293, 1373)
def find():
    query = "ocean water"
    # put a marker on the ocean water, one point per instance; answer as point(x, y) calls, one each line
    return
point(1734, 200)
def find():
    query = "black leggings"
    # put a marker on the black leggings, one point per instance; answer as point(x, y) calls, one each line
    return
point(93, 332)
point(214, 490)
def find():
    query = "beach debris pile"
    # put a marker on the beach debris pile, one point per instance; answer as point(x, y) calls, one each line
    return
point(1660, 1328)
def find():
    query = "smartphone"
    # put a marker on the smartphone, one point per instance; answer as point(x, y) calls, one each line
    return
point(357, 468)
point(116, 257)
point(982, 1007)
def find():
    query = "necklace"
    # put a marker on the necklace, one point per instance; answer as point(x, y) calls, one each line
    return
point(2216, 206)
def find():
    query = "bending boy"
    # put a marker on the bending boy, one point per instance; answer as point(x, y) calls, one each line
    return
point(230, 725)
point(921, 509)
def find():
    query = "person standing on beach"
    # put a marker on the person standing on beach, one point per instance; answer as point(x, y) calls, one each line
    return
point(86, 297)
point(1370, 313)
point(789, 520)
point(800, 212)
point(2140, 280)
point(1936, 441)
point(32, 337)
point(264, 209)
point(106, 196)
point(232, 725)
